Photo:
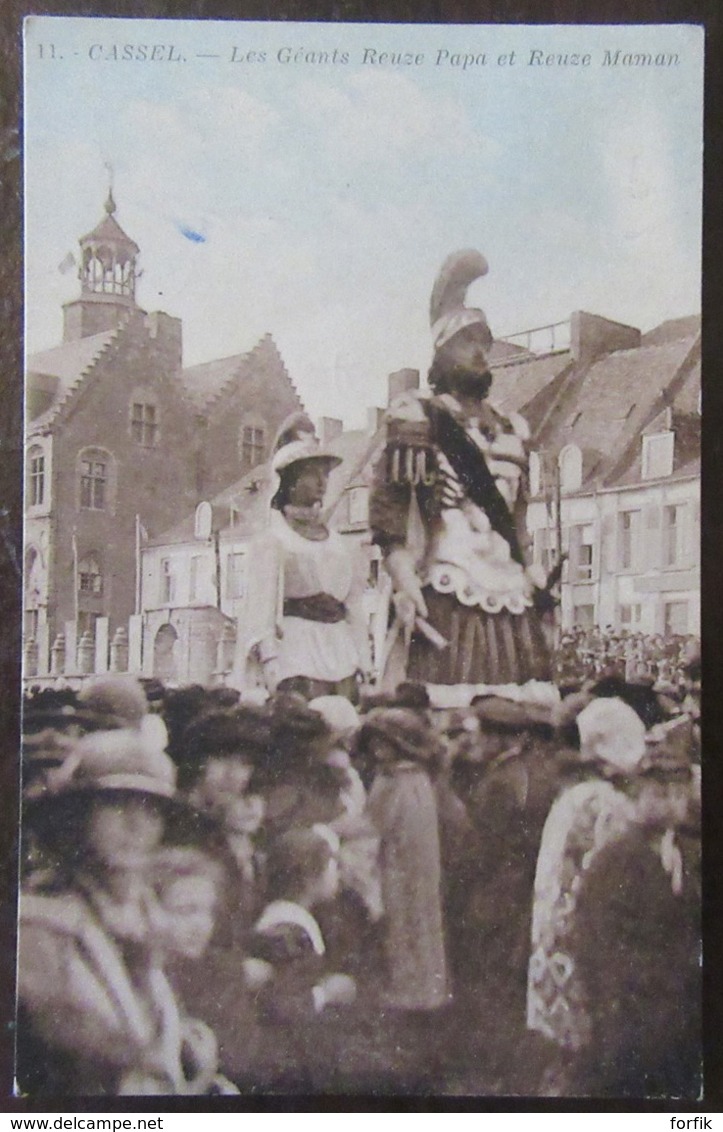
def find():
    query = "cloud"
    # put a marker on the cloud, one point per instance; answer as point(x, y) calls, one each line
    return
point(381, 117)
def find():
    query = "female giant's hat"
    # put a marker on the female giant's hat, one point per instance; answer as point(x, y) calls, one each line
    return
point(295, 441)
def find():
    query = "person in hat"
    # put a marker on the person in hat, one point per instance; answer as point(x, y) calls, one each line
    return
point(637, 935)
point(585, 818)
point(221, 755)
point(95, 1009)
point(509, 780)
point(221, 752)
point(448, 510)
point(300, 784)
point(303, 617)
point(402, 806)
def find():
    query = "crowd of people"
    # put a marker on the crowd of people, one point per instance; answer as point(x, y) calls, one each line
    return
point(585, 653)
point(222, 896)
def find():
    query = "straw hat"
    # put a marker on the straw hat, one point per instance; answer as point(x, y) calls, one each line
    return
point(296, 440)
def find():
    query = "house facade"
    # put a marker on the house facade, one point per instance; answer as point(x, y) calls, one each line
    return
point(615, 482)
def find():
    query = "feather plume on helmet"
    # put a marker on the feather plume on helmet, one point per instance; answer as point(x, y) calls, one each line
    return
point(447, 312)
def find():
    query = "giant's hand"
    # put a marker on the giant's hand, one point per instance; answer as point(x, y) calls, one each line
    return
point(408, 598)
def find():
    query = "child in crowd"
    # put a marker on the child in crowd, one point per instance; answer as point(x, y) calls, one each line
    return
point(225, 748)
point(293, 983)
point(187, 884)
point(359, 851)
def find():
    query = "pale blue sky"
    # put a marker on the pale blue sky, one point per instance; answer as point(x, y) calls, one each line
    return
point(328, 195)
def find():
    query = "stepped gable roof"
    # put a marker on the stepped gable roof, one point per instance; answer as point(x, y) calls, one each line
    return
point(208, 381)
point(605, 415)
point(516, 383)
point(671, 330)
point(69, 363)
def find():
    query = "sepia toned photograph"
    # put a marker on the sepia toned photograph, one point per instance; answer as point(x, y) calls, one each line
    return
point(361, 669)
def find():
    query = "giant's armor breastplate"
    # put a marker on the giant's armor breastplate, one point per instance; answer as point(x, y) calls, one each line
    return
point(461, 552)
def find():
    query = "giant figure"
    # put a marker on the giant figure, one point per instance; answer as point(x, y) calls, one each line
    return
point(448, 510)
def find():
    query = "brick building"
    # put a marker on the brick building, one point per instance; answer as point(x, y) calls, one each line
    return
point(121, 442)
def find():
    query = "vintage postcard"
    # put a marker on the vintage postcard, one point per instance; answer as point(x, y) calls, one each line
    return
point(361, 595)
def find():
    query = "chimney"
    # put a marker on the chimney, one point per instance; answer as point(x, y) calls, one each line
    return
point(591, 336)
point(375, 419)
point(330, 428)
point(168, 333)
point(401, 381)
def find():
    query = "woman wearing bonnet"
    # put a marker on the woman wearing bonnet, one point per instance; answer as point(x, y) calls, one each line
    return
point(303, 619)
point(572, 963)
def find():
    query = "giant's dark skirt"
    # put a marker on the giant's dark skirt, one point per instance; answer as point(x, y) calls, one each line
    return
point(484, 648)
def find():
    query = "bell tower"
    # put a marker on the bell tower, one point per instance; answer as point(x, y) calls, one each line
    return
point(108, 275)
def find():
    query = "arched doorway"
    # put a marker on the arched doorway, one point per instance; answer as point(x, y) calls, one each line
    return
point(164, 654)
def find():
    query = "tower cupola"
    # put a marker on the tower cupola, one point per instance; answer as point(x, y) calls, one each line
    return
point(108, 274)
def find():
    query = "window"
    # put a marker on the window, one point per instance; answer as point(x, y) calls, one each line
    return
point(90, 576)
point(570, 461)
point(36, 476)
point(582, 540)
point(93, 484)
point(628, 539)
point(584, 616)
point(658, 455)
point(673, 534)
point(33, 585)
point(195, 575)
point(629, 615)
point(31, 622)
point(144, 423)
point(235, 575)
point(542, 544)
point(676, 618)
point(357, 497)
point(203, 521)
point(167, 582)
point(253, 445)
point(535, 474)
